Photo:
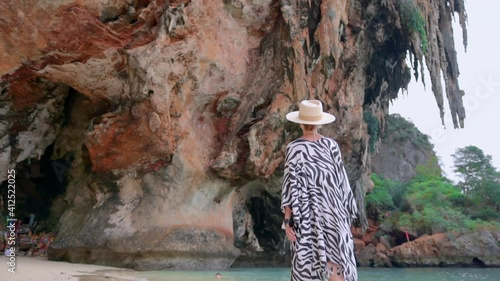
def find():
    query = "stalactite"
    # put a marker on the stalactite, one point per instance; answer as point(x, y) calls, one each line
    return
point(439, 50)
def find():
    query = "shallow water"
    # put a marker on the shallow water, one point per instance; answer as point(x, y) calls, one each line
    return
point(365, 274)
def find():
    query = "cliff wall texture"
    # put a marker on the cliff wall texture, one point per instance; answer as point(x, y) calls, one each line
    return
point(170, 114)
point(401, 150)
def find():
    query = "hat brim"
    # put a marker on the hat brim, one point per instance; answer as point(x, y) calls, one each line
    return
point(325, 119)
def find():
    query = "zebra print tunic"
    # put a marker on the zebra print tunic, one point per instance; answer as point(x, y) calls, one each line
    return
point(316, 188)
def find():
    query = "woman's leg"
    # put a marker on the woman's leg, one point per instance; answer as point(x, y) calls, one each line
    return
point(336, 272)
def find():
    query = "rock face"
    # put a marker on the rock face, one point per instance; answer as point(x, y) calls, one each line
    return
point(402, 149)
point(478, 249)
point(370, 249)
point(171, 113)
point(384, 247)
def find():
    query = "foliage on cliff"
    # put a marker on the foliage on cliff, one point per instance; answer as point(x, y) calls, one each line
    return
point(430, 203)
point(412, 19)
point(402, 130)
point(373, 128)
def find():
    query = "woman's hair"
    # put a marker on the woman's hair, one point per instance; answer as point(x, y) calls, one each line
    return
point(308, 127)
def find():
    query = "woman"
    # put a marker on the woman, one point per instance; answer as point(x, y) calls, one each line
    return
point(317, 201)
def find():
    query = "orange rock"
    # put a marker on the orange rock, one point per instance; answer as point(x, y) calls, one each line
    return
point(358, 244)
point(381, 248)
point(357, 232)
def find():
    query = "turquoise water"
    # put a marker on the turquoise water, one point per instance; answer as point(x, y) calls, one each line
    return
point(365, 274)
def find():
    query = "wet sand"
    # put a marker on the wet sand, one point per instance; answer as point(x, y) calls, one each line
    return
point(41, 269)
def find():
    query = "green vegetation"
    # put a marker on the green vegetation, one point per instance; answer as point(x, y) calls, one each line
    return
point(373, 128)
point(480, 183)
point(412, 19)
point(398, 129)
point(402, 130)
point(430, 203)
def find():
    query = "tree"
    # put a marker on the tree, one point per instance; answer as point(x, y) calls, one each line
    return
point(473, 167)
point(480, 182)
point(487, 198)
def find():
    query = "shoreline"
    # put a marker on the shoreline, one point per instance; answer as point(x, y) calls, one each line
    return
point(41, 269)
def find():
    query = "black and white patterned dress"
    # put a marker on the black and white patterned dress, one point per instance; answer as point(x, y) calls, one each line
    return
point(316, 188)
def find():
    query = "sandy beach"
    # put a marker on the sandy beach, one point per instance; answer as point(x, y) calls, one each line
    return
point(41, 269)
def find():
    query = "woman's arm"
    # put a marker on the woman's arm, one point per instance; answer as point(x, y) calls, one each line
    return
point(288, 212)
point(290, 233)
point(289, 191)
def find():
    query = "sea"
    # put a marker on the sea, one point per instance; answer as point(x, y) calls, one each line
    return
point(364, 274)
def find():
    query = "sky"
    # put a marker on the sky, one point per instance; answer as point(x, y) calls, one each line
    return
point(479, 78)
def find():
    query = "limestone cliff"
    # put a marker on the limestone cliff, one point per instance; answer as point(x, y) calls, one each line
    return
point(169, 115)
point(402, 148)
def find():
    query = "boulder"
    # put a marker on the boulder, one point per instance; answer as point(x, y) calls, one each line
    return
point(469, 249)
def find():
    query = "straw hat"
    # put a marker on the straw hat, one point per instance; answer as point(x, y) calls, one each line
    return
point(310, 113)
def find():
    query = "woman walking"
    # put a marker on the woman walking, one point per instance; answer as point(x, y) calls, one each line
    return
point(317, 201)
